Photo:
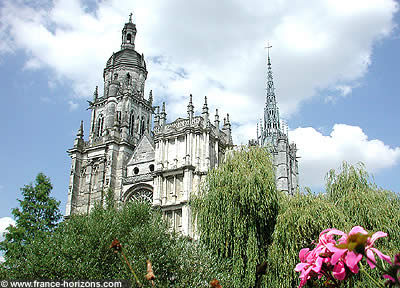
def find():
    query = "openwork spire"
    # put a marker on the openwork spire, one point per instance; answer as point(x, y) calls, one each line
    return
point(272, 127)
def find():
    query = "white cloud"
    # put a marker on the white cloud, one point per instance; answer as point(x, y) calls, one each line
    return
point(72, 105)
point(319, 152)
point(4, 223)
point(212, 48)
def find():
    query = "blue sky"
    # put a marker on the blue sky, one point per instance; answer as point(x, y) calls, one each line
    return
point(335, 63)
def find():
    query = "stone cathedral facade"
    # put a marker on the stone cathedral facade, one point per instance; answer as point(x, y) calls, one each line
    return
point(163, 165)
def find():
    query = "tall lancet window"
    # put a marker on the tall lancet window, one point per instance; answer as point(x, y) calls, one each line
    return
point(142, 126)
point(99, 126)
point(131, 124)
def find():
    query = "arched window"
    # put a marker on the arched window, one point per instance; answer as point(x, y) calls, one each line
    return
point(119, 117)
point(99, 126)
point(131, 124)
point(129, 38)
point(142, 126)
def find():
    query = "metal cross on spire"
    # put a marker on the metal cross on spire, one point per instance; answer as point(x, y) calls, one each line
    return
point(268, 47)
point(130, 17)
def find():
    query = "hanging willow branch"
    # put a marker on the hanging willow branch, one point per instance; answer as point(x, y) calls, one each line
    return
point(236, 211)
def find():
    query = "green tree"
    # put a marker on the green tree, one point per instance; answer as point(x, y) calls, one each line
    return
point(38, 214)
point(236, 212)
point(79, 248)
point(351, 199)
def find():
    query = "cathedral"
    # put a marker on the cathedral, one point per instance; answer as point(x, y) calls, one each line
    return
point(132, 151)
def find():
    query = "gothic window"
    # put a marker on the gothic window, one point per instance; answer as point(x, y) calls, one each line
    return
point(119, 117)
point(151, 167)
point(136, 170)
point(116, 76)
point(142, 126)
point(99, 126)
point(129, 38)
point(132, 124)
point(137, 127)
point(140, 192)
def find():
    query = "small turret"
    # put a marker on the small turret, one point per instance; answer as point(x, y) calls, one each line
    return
point(96, 94)
point(216, 122)
point(227, 129)
point(157, 117)
point(205, 112)
point(163, 115)
point(80, 131)
point(128, 35)
point(151, 97)
point(78, 143)
point(190, 109)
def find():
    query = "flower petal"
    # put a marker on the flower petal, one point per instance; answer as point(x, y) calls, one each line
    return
point(357, 229)
point(352, 260)
point(337, 255)
point(389, 277)
point(303, 254)
point(381, 255)
point(370, 258)
point(339, 272)
point(376, 236)
point(300, 266)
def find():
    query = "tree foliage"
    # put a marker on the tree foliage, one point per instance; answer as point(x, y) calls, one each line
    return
point(79, 248)
point(38, 214)
point(350, 200)
point(236, 211)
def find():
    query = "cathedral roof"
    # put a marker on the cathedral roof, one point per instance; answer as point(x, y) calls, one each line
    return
point(125, 57)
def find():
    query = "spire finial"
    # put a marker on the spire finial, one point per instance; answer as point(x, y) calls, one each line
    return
point(96, 93)
point(130, 17)
point(205, 107)
point(268, 47)
point(80, 131)
point(190, 106)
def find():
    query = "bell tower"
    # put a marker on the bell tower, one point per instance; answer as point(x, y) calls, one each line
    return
point(119, 119)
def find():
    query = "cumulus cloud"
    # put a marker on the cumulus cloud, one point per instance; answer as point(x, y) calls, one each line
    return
point(72, 105)
point(4, 223)
point(319, 152)
point(207, 47)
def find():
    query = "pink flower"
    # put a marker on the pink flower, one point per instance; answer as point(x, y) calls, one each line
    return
point(316, 262)
point(358, 239)
point(330, 259)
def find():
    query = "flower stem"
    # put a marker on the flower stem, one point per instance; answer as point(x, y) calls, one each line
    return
point(370, 277)
point(130, 267)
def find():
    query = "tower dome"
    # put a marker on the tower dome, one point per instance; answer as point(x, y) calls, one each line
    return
point(127, 60)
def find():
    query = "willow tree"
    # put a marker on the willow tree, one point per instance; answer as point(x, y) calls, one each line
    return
point(236, 212)
point(301, 219)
